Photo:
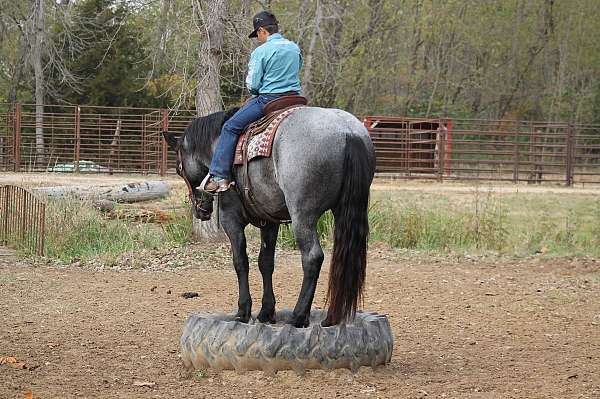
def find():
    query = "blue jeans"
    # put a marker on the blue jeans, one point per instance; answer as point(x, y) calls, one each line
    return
point(222, 160)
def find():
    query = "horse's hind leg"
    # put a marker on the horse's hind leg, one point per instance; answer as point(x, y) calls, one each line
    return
point(266, 265)
point(312, 259)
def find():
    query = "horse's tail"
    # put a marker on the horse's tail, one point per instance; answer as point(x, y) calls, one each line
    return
point(349, 258)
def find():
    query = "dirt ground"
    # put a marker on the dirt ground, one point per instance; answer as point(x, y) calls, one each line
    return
point(382, 183)
point(464, 327)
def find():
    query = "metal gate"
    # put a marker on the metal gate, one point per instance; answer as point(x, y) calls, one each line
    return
point(22, 219)
point(154, 148)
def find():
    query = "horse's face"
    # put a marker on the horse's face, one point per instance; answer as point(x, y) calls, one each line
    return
point(192, 172)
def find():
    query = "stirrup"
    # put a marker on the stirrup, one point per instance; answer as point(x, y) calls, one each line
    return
point(222, 185)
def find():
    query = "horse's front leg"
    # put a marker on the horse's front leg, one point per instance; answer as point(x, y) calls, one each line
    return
point(312, 259)
point(266, 265)
point(236, 235)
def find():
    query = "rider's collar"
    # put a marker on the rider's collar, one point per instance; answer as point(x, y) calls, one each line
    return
point(274, 36)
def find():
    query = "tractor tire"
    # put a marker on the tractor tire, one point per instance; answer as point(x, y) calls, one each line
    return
point(219, 342)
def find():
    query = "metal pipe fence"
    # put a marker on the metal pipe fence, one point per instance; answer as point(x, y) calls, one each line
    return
point(22, 219)
point(497, 150)
point(90, 139)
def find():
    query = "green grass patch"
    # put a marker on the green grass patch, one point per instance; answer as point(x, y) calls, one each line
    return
point(75, 230)
point(425, 225)
point(517, 224)
point(286, 238)
point(477, 221)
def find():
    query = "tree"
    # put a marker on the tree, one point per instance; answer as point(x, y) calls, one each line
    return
point(39, 27)
point(208, 92)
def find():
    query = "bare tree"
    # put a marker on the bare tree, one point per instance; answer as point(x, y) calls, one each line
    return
point(307, 86)
point(159, 47)
point(208, 92)
point(39, 25)
point(17, 69)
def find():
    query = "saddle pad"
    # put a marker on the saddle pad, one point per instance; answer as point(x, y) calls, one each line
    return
point(260, 142)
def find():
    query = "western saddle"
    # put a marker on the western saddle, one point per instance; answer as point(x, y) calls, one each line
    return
point(275, 112)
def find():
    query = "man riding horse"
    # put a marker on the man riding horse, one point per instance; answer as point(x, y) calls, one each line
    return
point(272, 72)
point(321, 159)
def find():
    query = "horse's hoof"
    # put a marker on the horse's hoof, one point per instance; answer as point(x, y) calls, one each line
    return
point(242, 317)
point(266, 316)
point(327, 323)
point(299, 321)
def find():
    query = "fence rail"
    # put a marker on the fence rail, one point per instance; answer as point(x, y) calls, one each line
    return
point(90, 139)
point(518, 151)
point(22, 219)
point(87, 139)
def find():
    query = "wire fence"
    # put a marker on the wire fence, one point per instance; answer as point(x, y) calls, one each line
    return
point(89, 139)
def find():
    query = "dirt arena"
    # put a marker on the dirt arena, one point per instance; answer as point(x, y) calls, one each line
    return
point(465, 326)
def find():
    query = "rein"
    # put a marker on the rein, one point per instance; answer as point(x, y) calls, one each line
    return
point(191, 195)
point(185, 179)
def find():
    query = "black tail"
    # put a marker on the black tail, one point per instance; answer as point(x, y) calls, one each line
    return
point(349, 258)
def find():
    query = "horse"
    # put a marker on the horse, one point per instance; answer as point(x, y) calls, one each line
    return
point(322, 159)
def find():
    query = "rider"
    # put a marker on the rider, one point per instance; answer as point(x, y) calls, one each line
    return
point(272, 72)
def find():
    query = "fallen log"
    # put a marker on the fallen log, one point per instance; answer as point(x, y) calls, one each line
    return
point(142, 215)
point(131, 192)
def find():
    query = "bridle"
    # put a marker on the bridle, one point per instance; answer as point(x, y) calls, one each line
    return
point(206, 198)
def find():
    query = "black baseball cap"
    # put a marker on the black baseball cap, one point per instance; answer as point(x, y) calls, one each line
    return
point(263, 18)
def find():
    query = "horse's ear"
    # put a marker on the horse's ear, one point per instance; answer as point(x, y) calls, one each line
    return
point(229, 113)
point(171, 139)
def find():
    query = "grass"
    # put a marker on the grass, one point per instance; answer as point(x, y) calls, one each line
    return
point(325, 226)
point(477, 221)
point(75, 230)
point(515, 224)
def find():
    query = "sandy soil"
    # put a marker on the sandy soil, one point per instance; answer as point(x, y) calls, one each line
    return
point(464, 327)
point(67, 179)
point(471, 327)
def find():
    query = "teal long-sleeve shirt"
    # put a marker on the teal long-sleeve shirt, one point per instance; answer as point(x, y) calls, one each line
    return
point(274, 66)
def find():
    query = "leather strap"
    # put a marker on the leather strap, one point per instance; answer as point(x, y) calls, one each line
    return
point(258, 216)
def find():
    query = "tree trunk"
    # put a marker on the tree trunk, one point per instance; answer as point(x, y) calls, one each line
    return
point(39, 79)
point(17, 71)
point(307, 86)
point(417, 41)
point(161, 42)
point(208, 94)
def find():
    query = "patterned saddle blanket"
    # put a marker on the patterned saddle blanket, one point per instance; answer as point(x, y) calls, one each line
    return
point(258, 137)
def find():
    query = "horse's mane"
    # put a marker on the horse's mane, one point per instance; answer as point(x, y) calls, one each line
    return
point(202, 132)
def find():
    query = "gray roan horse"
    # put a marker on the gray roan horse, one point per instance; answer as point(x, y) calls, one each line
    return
point(322, 159)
